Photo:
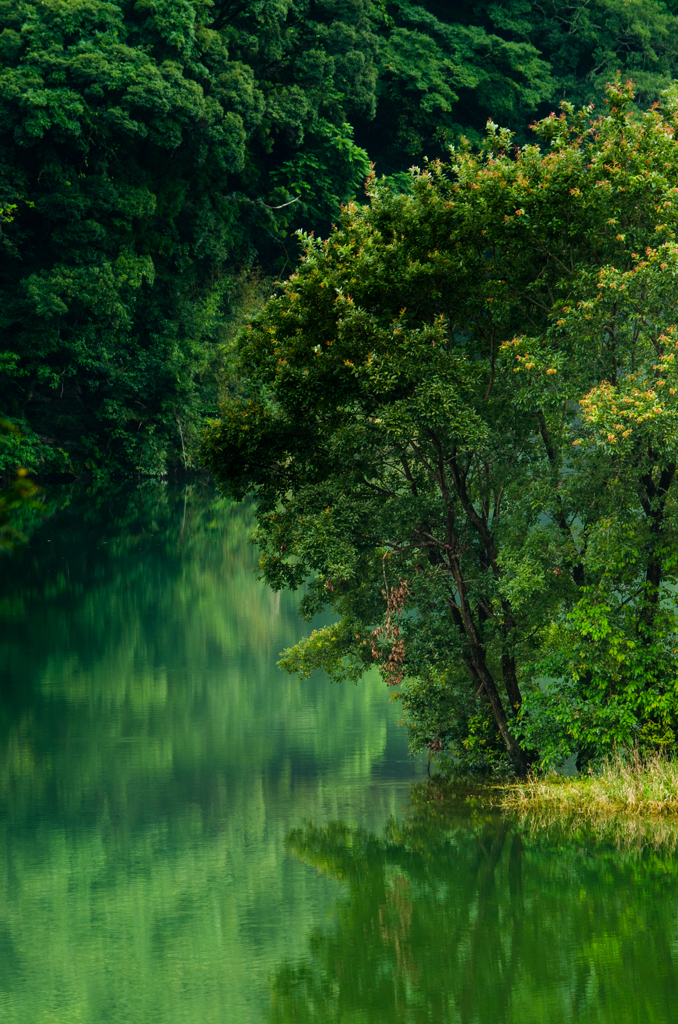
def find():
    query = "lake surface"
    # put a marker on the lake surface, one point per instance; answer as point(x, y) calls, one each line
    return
point(189, 835)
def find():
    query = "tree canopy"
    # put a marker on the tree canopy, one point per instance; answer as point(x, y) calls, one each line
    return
point(447, 67)
point(134, 178)
point(152, 152)
point(459, 420)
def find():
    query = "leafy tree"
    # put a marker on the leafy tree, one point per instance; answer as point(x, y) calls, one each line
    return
point(587, 43)
point(152, 152)
point(458, 420)
point(17, 498)
point(143, 146)
point(444, 68)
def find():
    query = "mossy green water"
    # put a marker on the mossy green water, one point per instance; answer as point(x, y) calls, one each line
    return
point(152, 761)
point(158, 777)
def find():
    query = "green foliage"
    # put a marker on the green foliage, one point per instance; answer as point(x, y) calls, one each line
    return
point(312, 173)
point(21, 447)
point(143, 146)
point(459, 421)
point(17, 498)
point(153, 152)
point(445, 68)
point(20, 496)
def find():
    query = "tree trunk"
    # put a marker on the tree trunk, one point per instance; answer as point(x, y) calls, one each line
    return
point(479, 672)
point(518, 756)
point(653, 501)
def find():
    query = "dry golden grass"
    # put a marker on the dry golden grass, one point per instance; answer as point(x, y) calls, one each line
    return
point(631, 803)
point(637, 786)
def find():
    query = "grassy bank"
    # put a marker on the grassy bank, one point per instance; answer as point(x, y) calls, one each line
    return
point(632, 786)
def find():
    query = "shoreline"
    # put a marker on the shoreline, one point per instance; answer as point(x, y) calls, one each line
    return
point(630, 804)
point(633, 787)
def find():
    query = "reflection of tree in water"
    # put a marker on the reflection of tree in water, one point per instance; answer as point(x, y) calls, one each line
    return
point(152, 759)
point(459, 915)
point(136, 613)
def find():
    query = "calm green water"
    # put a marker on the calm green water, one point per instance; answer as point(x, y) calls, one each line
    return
point(158, 778)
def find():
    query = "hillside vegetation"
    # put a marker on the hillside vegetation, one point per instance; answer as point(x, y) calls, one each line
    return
point(154, 153)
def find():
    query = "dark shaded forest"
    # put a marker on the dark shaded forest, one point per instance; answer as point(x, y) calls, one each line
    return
point(156, 159)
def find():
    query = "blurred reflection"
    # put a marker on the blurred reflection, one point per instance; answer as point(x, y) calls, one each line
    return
point(152, 760)
point(455, 915)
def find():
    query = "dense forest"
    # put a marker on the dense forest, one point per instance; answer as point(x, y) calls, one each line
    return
point(158, 157)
